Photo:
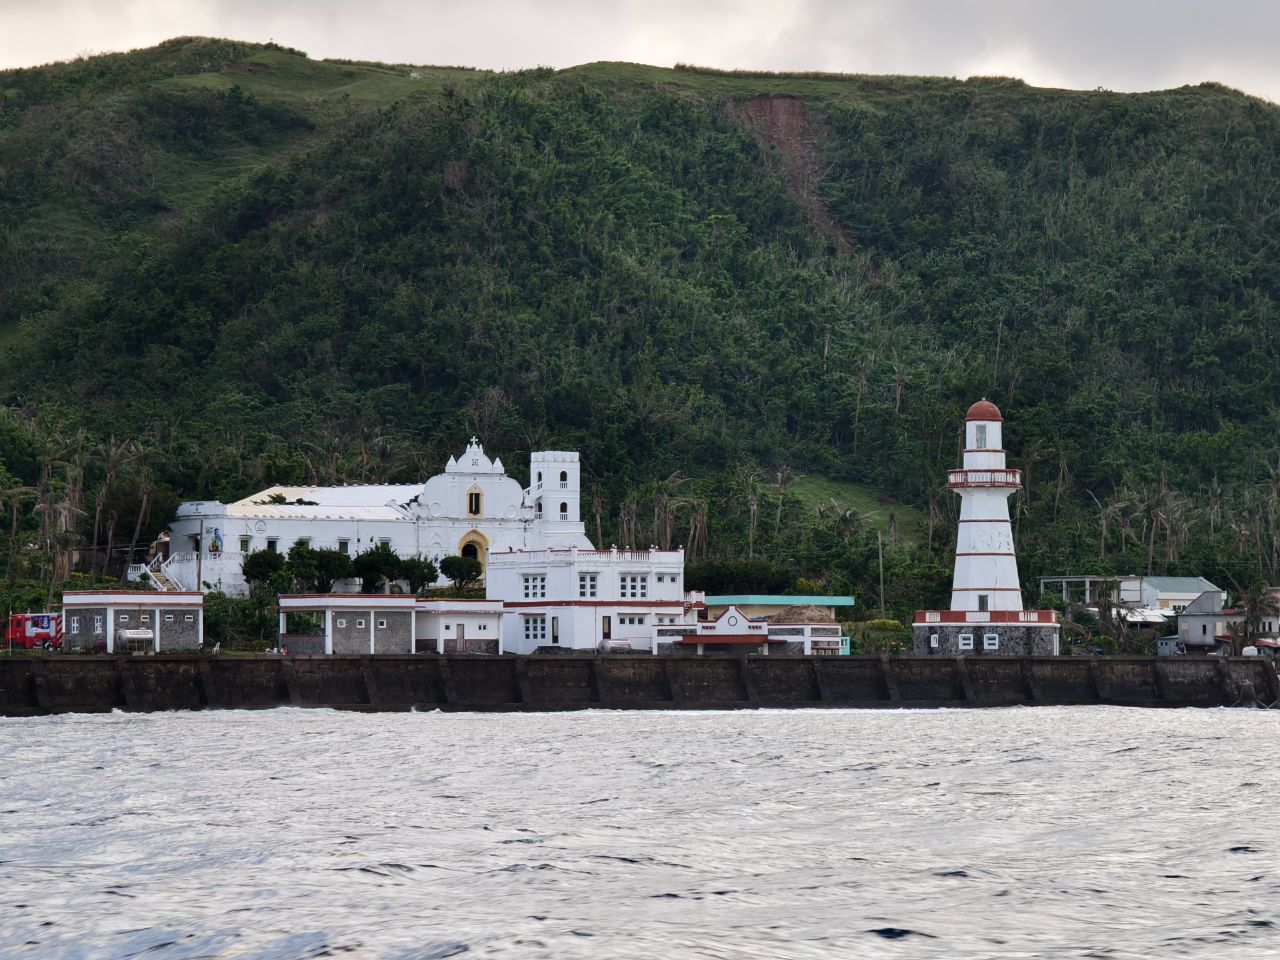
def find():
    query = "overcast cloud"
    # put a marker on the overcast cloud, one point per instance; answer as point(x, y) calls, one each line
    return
point(1120, 44)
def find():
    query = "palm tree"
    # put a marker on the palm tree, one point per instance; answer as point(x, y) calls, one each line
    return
point(745, 487)
point(1259, 602)
point(16, 494)
point(113, 455)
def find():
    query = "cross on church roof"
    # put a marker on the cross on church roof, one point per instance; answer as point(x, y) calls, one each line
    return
point(474, 441)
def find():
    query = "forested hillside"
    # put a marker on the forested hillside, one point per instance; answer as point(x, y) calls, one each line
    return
point(759, 305)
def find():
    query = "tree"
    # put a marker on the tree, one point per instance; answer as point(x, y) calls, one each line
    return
point(262, 566)
point(377, 565)
point(330, 567)
point(418, 573)
point(300, 565)
point(461, 570)
point(1258, 603)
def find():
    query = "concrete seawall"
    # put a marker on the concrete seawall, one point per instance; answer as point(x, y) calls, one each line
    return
point(31, 686)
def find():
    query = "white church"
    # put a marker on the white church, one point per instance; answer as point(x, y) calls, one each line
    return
point(473, 509)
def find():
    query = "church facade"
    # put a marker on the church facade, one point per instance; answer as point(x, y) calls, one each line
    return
point(471, 509)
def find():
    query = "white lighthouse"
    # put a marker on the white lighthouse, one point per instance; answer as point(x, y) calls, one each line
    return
point(986, 571)
point(986, 616)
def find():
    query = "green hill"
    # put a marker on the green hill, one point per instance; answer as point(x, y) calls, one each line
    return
point(273, 269)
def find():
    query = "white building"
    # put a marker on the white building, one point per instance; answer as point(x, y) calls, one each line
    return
point(360, 623)
point(472, 509)
point(986, 614)
point(586, 600)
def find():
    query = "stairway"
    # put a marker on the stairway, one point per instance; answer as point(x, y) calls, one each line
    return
point(160, 580)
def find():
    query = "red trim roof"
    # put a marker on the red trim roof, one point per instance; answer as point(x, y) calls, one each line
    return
point(984, 409)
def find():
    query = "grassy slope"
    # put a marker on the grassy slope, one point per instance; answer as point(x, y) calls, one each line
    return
point(874, 507)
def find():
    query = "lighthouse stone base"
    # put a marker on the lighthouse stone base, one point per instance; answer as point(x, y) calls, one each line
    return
point(976, 639)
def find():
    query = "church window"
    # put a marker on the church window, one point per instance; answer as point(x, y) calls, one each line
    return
point(473, 504)
point(980, 436)
point(273, 545)
point(245, 544)
point(564, 480)
point(344, 546)
point(966, 641)
point(587, 583)
point(564, 511)
point(539, 506)
point(535, 586)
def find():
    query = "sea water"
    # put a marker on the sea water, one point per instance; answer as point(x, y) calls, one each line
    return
point(1098, 832)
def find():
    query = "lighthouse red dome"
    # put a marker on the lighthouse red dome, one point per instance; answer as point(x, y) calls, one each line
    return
point(984, 409)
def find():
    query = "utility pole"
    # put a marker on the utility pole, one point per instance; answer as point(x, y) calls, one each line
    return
point(880, 552)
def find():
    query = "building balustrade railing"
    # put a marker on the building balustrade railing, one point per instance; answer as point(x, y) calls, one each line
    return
point(983, 478)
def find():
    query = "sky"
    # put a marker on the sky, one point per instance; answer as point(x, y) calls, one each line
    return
point(1083, 44)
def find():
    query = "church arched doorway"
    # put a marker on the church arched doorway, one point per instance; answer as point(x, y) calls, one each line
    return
point(475, 545)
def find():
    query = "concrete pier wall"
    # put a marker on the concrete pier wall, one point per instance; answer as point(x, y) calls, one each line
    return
point(45, 685)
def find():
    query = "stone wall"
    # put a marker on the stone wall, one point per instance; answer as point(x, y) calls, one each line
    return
point(351, 631)
point(86, 635)
point(39, 684)
point(1016, 639)
point(394, 637)
point(482, 645)
point(303, 643)
point(179, 633)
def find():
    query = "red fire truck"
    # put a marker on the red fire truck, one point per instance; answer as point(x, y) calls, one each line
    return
point(30, 630)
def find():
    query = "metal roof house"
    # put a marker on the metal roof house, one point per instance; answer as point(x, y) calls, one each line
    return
point(757, 605)
point(1165, 595)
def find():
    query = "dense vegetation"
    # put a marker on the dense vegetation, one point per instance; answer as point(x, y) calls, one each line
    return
point(758, 305)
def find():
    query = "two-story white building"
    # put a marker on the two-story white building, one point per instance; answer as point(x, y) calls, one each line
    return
point(587, 600)
point(472, 509)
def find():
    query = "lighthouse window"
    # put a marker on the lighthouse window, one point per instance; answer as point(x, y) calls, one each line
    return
point(980, 436)
point(991, 641)
point(982, 603)
point(966, 641)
